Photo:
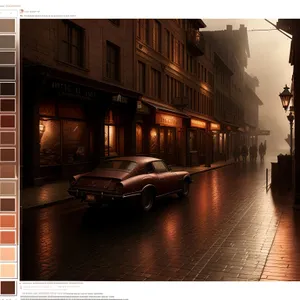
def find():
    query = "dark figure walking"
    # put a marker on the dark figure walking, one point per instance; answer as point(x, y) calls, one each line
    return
point(254, 153)
point(251, 153)
point(236, 154)
point(244, 153)
point(261, 151)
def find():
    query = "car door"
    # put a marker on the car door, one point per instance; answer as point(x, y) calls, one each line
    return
point(165, 178)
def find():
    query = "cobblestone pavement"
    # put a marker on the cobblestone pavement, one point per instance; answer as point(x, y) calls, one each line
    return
point(223, 231)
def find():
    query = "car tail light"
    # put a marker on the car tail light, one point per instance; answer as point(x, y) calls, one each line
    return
point(119, 188)
point(72, 181)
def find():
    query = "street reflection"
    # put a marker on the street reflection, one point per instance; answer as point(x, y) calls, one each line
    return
point(47, 246)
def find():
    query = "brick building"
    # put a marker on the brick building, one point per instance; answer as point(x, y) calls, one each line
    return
point(78, 98)
point(252, 103)
point(175, 74)
point(291, 26)
point(236, 107)
point(99, 88)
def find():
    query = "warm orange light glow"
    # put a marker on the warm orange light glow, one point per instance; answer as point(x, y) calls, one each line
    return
point(153, 133)
point(198, 123)
point(214, 126)
point(168, 120)
point(42, 128)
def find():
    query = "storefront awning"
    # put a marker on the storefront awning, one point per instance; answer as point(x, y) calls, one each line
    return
point(164, 107)
point(198, 116)
point(226, 124)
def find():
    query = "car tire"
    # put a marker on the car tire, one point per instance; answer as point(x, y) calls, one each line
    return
point(185, 189)
point(147, 200)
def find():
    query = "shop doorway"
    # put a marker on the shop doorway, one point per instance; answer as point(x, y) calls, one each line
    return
point(167, 145)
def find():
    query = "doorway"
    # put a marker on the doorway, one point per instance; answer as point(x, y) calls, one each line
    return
point(167, 144)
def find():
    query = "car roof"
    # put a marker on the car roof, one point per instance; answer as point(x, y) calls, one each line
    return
point(137, 159)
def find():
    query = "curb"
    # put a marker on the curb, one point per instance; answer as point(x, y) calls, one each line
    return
point(211, 169)
point(44, 205)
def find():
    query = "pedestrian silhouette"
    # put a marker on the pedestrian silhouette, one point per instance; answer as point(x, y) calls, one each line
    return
point(236, 154)
point(244, 153)
point(262, 151)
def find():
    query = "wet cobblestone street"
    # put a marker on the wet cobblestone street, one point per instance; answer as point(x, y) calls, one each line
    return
point(223, 231)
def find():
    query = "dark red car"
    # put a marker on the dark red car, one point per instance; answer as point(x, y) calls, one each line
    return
point(138, 178)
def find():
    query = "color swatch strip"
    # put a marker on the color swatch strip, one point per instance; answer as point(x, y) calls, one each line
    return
point(8, 156)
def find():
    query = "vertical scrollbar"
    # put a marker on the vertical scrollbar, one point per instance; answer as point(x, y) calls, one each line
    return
point(9, 152)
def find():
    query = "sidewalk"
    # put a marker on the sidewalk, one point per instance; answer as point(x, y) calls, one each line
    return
point(56, 192)
point(283, 262)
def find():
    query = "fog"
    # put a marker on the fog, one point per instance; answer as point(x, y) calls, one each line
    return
point(269, 61)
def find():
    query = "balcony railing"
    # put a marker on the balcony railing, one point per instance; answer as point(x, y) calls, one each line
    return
point(195, 42)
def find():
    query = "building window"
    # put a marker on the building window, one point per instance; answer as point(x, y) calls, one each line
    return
point(221, 143)
point(143, 30)
point(72, 47)
point(168, 79)
point(153, 141)
point(138, 28)
point(115, 21)
point(182, 55)
point(157, 36)
point(192, 140)
point(75, 141)
point(167, 42)
point(110, 140)
point(112, 61)
point(155, 83)
point(141, 77)
point(50, 143)
point(139, 139)
point(173, 48)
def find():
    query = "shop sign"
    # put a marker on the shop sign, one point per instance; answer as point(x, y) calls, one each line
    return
point(214, 126)
point(73, 90)
point(168, 120)
point(198, 123)
point(263, 132)
point(142, 108)
point(120, 99)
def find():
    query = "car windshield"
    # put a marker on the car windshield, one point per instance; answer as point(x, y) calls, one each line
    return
point(120, 165)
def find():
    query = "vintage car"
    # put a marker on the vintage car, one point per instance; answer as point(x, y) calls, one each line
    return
point(139, 178)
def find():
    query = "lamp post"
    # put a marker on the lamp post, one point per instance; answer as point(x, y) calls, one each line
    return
point(291, 118)
point(286, 97)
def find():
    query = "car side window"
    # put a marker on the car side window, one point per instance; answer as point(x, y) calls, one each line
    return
point(160, 166)
point(149, 168)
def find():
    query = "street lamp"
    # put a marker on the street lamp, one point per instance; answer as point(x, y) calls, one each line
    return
point(291, 119)
point(286, 97)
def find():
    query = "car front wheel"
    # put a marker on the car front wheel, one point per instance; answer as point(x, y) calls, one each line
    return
point(185, 189)
point(147, 200)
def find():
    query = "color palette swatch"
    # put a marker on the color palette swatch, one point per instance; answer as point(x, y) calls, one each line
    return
point(8, 155)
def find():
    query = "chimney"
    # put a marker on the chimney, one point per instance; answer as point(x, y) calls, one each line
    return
point(229, 27)
point(242, 27)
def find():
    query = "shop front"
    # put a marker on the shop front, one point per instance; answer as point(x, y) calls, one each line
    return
point(165, 136)
point(68, 127)
point(217, 141)
point(227, 137)
point(197, 142)
point(160, 132)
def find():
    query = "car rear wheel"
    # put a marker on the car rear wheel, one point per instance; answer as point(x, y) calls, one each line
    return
point(147, 200)
point(185, 189)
